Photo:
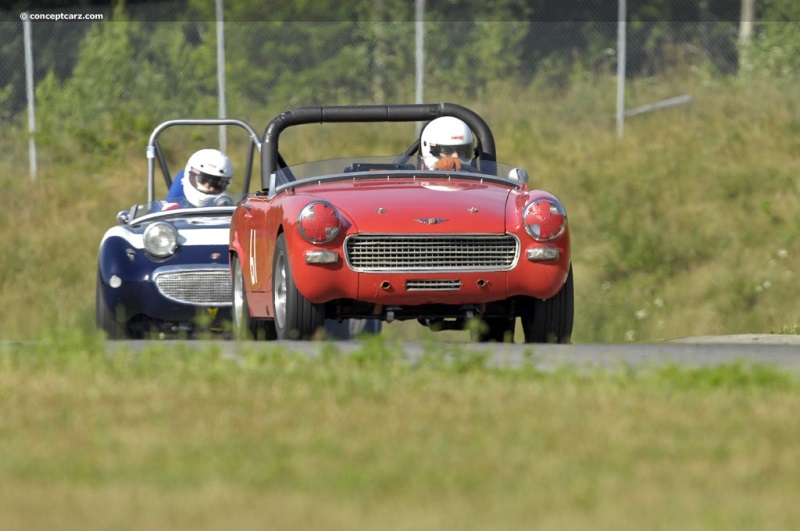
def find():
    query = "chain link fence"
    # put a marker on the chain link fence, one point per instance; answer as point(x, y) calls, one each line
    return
point(100, 71)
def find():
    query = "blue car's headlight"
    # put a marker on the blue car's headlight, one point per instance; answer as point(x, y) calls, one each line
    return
point(545, 219)
point(160, 239)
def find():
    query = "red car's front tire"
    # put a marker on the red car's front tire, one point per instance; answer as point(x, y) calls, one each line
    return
point(295, 316)
point(244, 326)
point(549, 321)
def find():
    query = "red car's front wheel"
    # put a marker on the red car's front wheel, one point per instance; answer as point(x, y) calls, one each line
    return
point(549, 321)
point(244, 326)
point(295, 316)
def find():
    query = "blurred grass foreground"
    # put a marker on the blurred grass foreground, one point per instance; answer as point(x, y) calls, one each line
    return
point(174, 437)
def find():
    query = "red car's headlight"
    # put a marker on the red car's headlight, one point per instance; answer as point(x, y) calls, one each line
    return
point(318, 222)
point(545, 219)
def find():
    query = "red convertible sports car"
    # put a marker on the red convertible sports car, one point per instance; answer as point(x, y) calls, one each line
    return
point(384, 238)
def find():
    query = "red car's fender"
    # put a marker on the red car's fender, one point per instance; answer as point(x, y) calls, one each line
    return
point(249, 243)
point(543, 279)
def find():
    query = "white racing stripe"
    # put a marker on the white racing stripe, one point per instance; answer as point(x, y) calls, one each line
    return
point(192, 237)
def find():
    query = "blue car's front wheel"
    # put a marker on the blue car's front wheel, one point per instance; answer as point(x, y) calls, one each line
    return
point(104, 316)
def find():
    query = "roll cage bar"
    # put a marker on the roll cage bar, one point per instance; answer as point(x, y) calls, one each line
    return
point(154, 151)
point(271, 160)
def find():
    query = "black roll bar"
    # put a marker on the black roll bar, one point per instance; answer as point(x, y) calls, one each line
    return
point(154, 150)
point(366, 113)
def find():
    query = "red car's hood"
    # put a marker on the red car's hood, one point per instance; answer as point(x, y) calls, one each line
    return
point(418, 205)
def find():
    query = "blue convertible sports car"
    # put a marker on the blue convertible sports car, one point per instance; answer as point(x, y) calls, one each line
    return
point(163, 268)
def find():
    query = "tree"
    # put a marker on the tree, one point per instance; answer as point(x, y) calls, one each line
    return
point(775, 49)
point(128, 76)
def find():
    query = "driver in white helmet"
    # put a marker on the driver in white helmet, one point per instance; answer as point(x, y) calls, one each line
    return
point(446, 144)
point(205, 179)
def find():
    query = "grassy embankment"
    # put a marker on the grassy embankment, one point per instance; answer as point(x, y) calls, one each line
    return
point(687, 225)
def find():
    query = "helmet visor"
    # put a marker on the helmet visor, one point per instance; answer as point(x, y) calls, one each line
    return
point(463, 151)
point(207, 183)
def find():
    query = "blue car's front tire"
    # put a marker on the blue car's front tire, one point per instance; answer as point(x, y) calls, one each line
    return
point(104, 316)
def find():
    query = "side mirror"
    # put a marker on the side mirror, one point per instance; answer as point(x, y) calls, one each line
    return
point(223, 200)
point(518, 174)
point(123, 216)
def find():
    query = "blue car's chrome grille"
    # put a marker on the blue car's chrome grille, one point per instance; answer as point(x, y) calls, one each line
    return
point(445, 252)
point(202, 288)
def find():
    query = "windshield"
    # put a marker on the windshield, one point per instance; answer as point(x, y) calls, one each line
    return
point(366, 167)
point(226, 204)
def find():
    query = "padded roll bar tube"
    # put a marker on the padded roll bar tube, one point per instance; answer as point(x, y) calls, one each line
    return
point(154, 150)
point(366, 113)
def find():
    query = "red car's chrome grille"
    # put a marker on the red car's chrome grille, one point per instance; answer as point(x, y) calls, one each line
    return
point(433, 285)
point(203, 288)
point(476, 252)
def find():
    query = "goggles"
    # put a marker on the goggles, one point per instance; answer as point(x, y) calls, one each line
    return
point(207, 183)
point(463, 151)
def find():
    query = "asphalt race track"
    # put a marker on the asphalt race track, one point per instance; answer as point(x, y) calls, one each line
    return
point(780, 351)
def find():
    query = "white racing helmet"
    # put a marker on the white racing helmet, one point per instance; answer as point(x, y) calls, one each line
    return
point(207, 175)
point(444, 136)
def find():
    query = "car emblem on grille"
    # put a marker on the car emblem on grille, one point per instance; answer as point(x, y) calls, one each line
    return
point(430, 221)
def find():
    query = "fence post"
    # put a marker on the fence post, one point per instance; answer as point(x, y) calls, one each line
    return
point(621, 51)
point(223, 131)
point(26, 30)
point(745, 34)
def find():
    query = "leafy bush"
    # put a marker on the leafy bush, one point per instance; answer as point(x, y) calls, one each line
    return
point(118, 63)
point(775, 50)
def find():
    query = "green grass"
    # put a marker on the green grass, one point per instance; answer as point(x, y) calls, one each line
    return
point(177, 437)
